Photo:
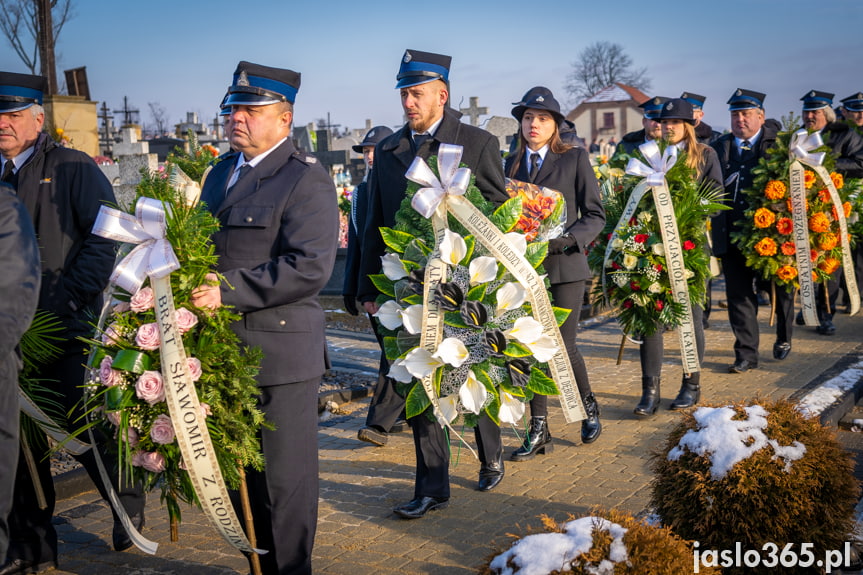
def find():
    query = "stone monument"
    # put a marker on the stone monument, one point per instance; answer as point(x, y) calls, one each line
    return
point(132, 156)
point(504, 129)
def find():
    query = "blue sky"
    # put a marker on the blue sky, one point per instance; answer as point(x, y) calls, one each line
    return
point(182, 55)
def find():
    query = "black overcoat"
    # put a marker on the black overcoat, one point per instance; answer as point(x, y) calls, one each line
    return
point(736, 177)
point(570, 174)
point(356, 223)
point(63, 190)
point(847, 146)
point(276, 247)
point(393, 157)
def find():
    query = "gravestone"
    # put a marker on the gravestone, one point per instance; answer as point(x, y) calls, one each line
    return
point(504, 129)
point(132, 156)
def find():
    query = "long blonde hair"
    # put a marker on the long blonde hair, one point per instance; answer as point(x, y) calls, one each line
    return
point(555, 144)
point(695, 156)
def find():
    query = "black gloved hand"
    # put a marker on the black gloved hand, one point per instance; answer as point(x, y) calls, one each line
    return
point(560, 245)
point(351, 304)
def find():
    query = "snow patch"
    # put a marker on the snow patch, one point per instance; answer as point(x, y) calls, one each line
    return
point(543, 553)
point(826, 394)
point(726, 441)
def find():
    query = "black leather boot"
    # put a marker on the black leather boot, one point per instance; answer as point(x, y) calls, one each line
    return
point(649, 397)
point(538, 440)
point(591, 427)
point(690, 392)
point(490, 474)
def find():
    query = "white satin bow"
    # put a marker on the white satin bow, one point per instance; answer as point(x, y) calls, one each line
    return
point(154, 255)
point(802, 142)
point(659, 163)
point(453, 180)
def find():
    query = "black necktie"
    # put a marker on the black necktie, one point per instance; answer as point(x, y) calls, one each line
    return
point(244, 169)
point(7, 171)
point(534, 166)
point(419, 140)
point(745, 150)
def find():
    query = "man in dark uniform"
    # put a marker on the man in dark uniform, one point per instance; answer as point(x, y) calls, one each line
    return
point(423, 84)
point(651, 129)
point(847, 147)
point(276, 246)
point(703, 131)
point(386, 408)
point(19, 294)
point(62, 190)
point(738, 152)
point(852, 110)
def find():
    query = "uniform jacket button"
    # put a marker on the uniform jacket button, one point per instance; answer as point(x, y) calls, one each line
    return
point(249, 219)
point(282, 322)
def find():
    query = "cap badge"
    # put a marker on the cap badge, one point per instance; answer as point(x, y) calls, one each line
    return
point(243, 80)
point(407, 57)
point(371, 134)
point(669, 106)
point(739, 92)
point(812, 94)
point(540, 99)
point(657, 101)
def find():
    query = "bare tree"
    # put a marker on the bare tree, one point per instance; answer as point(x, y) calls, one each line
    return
point(32, 28)
point(602, 64)
point(160, 117)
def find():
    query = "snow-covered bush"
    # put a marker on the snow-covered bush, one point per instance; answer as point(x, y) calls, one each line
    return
point(755, 474)
point(603, 543)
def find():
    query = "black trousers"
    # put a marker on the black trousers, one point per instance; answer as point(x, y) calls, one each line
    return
point(652, 350)
point(432, 453)
point(284, 497)
point(835, 284)
point(386, 405)
point(570, 296)
point(33, 536)
point(743, 306)
point(8, 441)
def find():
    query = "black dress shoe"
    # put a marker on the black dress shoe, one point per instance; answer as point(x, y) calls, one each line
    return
point(781, 349)
point(119, 537)
point(418, 507)
point(826, 328)
point(490, 474)
point(372, 435)
point(25, 567)
point(400, 425)
point(742, 366)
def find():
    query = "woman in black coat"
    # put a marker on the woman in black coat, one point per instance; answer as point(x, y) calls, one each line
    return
point(678, 129)
point(543, 159)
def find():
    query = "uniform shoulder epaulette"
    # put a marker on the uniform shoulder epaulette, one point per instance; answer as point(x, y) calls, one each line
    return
point(305, 158)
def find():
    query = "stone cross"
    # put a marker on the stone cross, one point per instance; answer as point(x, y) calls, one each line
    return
point(474, 111)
